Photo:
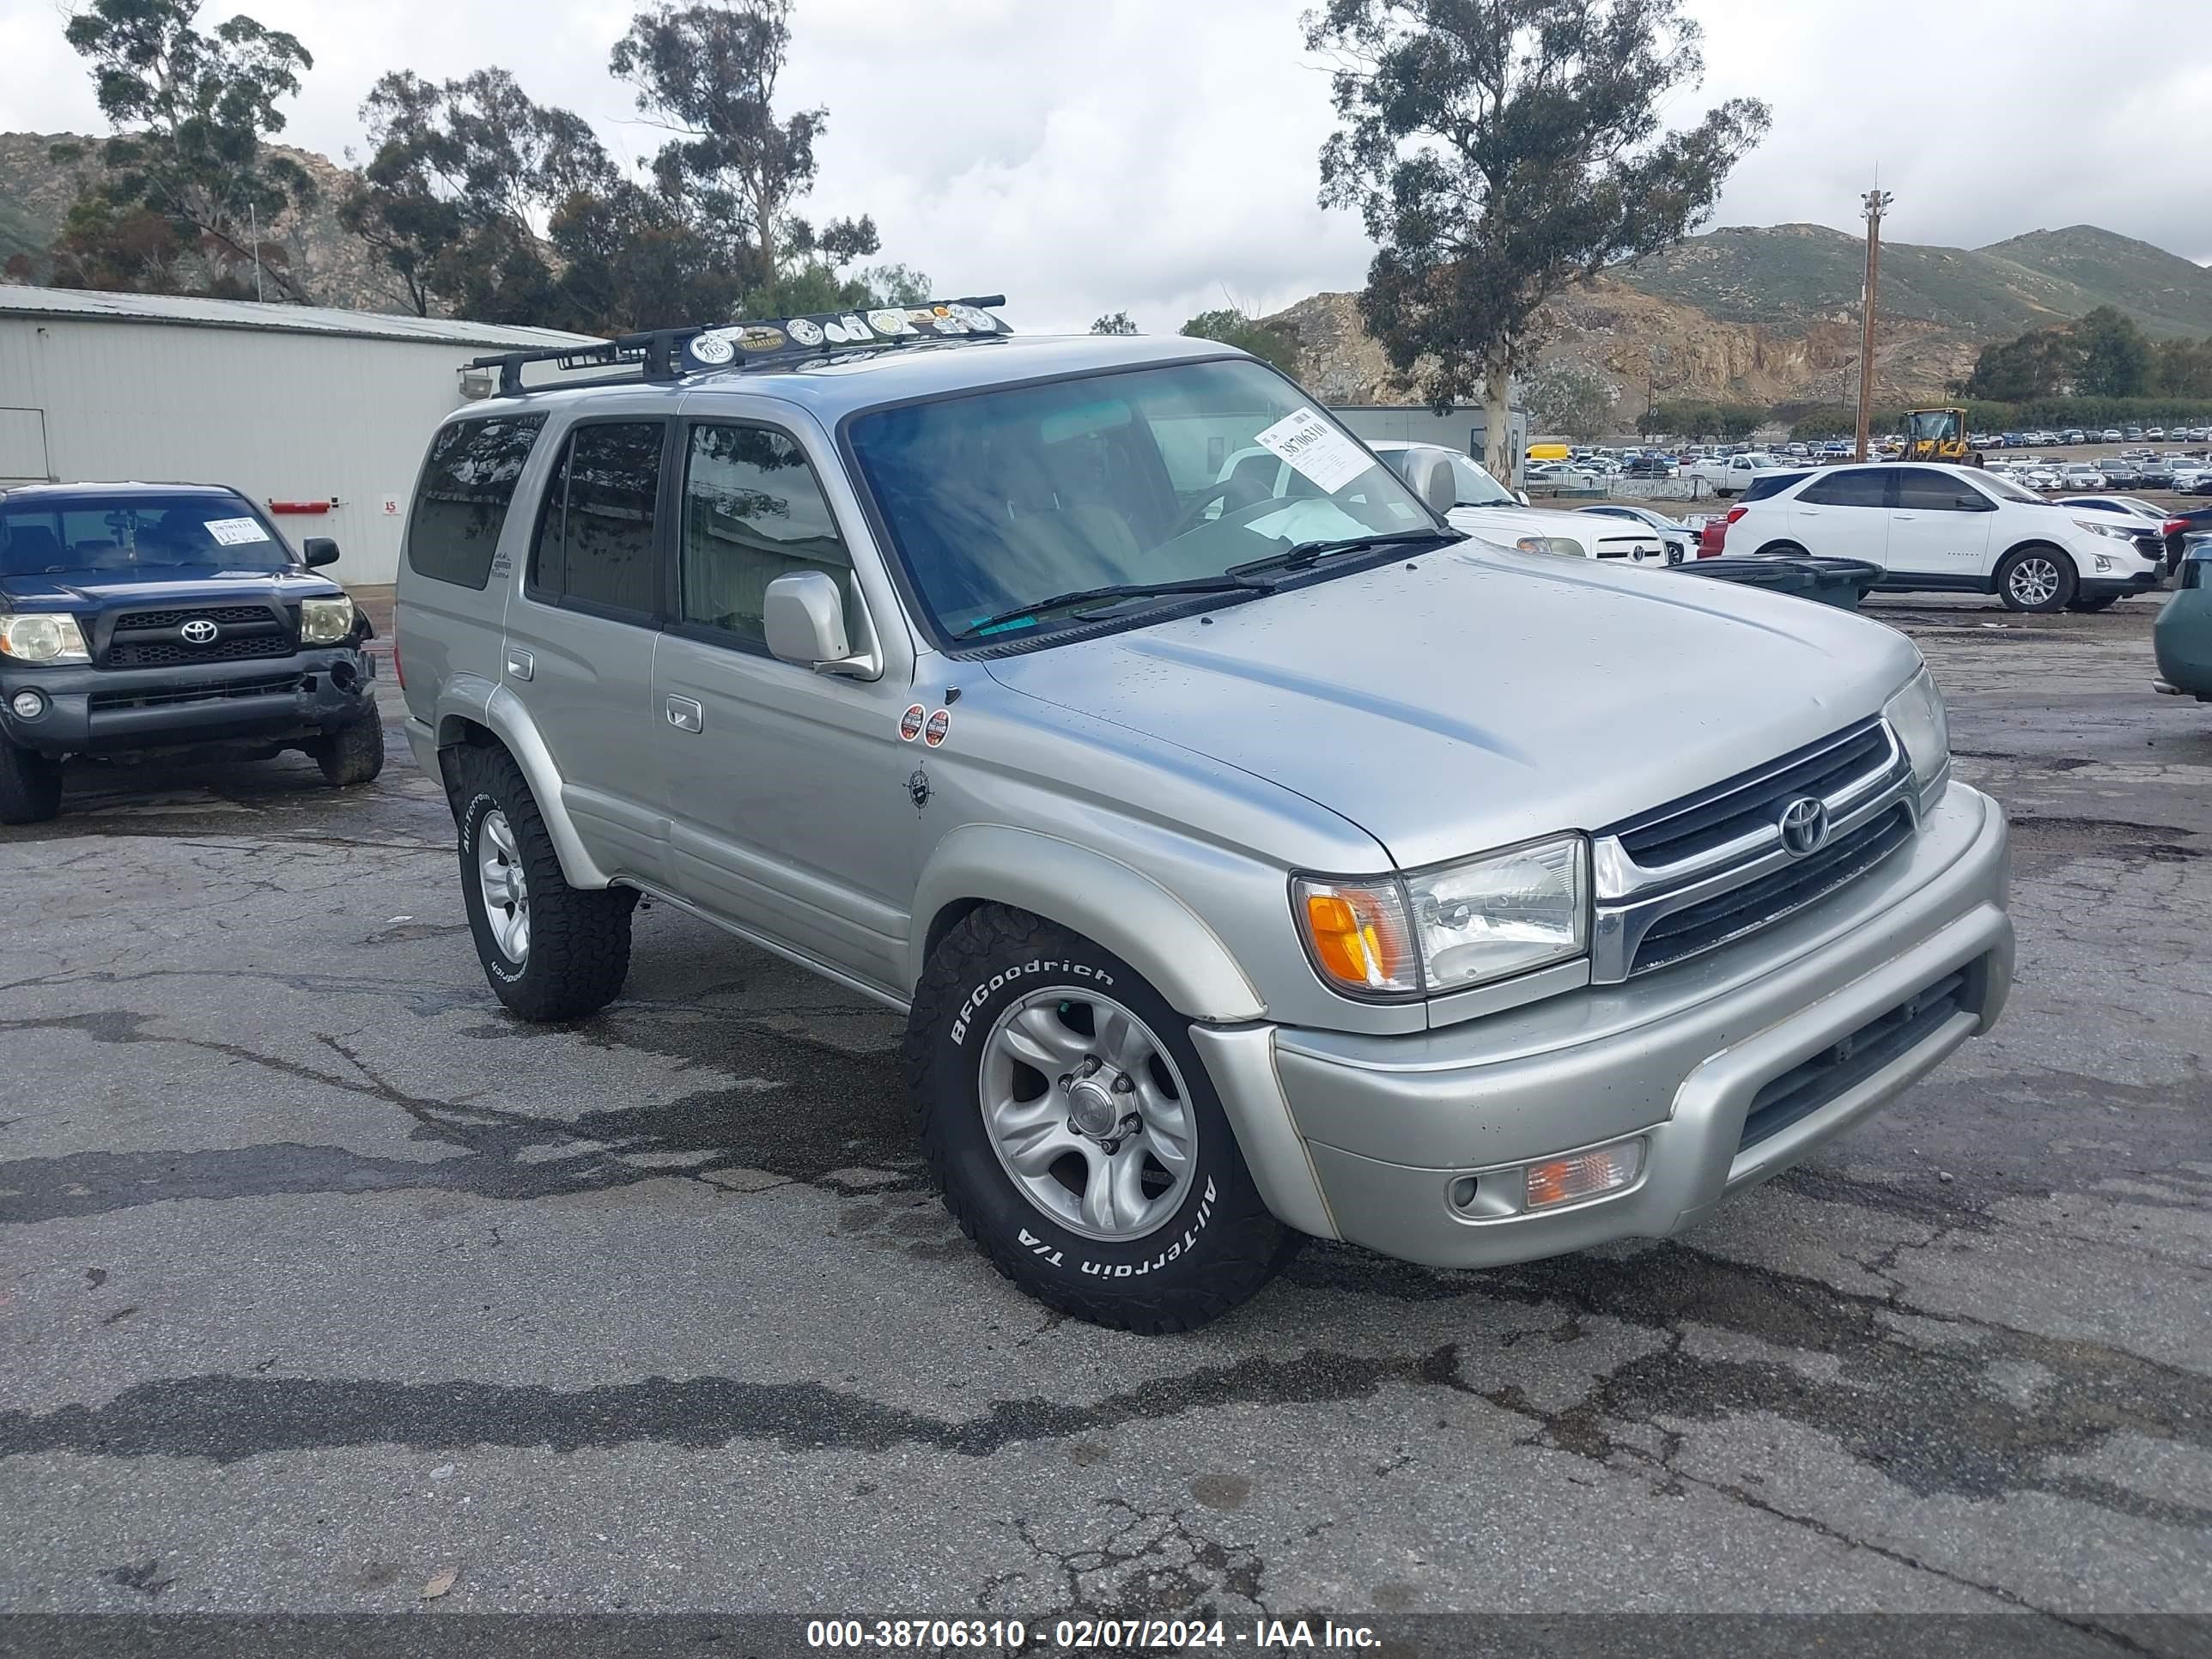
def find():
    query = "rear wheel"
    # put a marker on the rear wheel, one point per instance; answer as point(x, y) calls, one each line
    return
point(2037, 578)
point(1070, 1123)
point(30, 785)
point(1783, 551)
point(551, 952)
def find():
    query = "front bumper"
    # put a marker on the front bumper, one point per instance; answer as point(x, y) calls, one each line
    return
point(1370, 1138)
point(91, 711)
point(2142, 581)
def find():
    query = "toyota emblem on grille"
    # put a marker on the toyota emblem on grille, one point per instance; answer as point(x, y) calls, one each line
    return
point(198, 631)
point(1805, 825)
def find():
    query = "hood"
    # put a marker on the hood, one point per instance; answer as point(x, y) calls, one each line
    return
point(1481, 697)
point(90, 591)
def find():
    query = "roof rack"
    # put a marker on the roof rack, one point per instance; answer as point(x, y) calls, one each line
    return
point(667, 354)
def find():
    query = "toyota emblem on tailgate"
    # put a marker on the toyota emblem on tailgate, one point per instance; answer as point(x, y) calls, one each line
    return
point(1805, 825)
point(198, 631)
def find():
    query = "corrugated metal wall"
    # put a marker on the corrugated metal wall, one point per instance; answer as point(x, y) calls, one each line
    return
point(280, 416)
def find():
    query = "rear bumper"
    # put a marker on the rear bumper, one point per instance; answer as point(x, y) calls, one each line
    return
point(1389, 1131)
point(100, 711)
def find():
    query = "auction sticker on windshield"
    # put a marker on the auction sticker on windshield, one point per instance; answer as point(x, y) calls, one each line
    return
point(236, 532)
point(1316, 449)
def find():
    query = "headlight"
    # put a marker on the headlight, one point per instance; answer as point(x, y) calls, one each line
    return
point(1451, 926)
point(36, 637)
point(2118, 533)
point(324, 622)
point(1917, 715)
point(1567, 545)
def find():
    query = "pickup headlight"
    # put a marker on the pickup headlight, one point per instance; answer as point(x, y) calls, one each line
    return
point(1452, 926)
point(325, 622)
point(1917, 715)
point(37, 637)
point(1562, 545)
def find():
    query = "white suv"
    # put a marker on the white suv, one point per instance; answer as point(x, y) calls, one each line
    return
point(1955, 529)
point(1484, 508)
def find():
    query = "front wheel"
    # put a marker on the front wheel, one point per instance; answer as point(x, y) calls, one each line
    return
point(1071, 1125)
point(30, 785)
point(353, 754)
point(2090, 607)
point(2039, 579)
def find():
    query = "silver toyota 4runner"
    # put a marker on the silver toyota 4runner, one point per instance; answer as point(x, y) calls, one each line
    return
point(1251, 856)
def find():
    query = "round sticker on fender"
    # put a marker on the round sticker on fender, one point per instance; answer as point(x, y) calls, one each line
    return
point(910, 723)
point(939, 724)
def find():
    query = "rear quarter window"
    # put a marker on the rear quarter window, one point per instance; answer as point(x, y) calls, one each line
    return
point(460, 504)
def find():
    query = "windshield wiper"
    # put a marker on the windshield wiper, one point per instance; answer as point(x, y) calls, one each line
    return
point(1306, 555)
point(1224, 584)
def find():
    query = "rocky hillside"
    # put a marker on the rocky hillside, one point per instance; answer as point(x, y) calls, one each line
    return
point(1771, 315)
point(36, 191)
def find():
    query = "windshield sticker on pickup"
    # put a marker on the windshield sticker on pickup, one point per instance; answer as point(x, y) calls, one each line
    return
point(939, 724)
point(1316, 449)
point(910, 722)
point(236, 532)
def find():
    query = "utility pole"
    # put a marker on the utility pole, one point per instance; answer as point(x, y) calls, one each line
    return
point(1876, 202)
point(254, 218)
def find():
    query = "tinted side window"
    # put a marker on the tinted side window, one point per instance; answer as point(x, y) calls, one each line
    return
point(1921, 490)
point(1860, 487)
point(596, 538)
point(752, 511)
point(461, 502)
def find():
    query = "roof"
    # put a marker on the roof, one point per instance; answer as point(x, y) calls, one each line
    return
point(834, 387)
point(191, 311)
point(45, 492)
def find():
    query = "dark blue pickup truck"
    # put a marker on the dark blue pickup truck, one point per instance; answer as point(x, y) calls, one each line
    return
point(137, 617)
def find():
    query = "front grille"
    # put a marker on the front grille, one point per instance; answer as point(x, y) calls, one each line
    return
point(1842, 1067)
point(1752, 800)
point(165, 653)
point(133, 621)
point(259, 685)
point(1713, 923)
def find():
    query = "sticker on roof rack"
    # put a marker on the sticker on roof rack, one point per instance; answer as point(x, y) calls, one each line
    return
point(832, 330)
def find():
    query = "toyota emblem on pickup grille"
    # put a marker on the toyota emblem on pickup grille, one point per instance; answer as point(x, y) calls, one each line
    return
point(198, 631)
point(1805, 825)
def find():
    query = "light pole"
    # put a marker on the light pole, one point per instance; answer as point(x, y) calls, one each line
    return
point(1876, 202)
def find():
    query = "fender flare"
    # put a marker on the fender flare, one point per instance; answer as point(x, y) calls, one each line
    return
point(1116, 907)
point(473, 700)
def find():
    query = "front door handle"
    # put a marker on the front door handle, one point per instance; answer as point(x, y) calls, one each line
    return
point(684, 714)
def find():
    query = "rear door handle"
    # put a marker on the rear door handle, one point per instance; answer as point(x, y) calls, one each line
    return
point(684, 714)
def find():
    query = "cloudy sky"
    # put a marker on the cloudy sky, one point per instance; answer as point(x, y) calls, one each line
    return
point(1158, 155)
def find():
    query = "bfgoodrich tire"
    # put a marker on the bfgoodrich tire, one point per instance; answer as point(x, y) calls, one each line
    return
point(1076, 1138)
point(551, 951)
point(30, 785)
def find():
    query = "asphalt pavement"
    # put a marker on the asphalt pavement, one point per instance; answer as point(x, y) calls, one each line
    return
point(325, 1285)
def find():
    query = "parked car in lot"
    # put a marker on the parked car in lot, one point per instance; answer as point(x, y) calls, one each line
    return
point(2154, 473)
point(2075, 434)
point(2170, 527)
point(2121, 473)
point(1677, 538)
point(2181, 639)
point(2080, 475)
point(2111, 435)
point(1652, 466)
point(1956, 529)
point(1480, 506)
point(140, 619)
point(1731, 475)
point(932, 672)
point(2154, 434)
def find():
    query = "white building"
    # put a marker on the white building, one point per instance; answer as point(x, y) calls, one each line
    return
point(322, 416)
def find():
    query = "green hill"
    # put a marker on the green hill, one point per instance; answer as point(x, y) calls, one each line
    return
point(1791, 274)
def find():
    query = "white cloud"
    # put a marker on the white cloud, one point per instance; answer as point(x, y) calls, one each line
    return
point(1147, 154)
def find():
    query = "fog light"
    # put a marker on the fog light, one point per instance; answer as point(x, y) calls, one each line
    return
point(27, 705)
point(1585, 1175)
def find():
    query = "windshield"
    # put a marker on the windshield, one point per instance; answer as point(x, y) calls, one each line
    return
point(2005, 490)
point(120, 534)
point(1002, 499)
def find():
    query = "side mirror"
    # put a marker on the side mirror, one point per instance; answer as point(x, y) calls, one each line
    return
point(1522, 496)
point(804, 617)
point(319, 549)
